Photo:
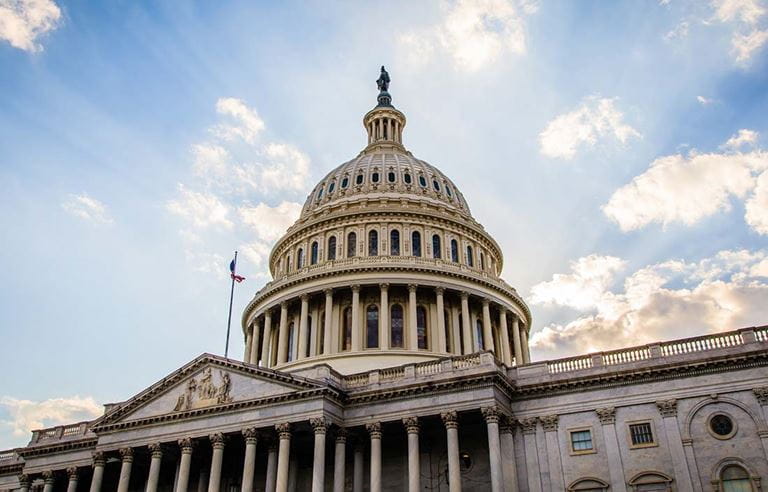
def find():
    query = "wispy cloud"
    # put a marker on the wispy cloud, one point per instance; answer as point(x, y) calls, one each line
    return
point(22, 22)
point(87, 208)
point(745, 15)
point(704, 101)
point(200, 209)
point(26, 415)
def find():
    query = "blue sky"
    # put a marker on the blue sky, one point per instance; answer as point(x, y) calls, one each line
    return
point(616, 150)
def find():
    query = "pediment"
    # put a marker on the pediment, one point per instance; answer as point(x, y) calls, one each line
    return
point(208, 382)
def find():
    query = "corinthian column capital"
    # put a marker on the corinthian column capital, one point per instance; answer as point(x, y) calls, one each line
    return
point(283, 430)
point(218, 440)
point(606, 415)
point(411, 425)
point(450, 419)
point(374, 429)
point(156, 449)
point(491, 414)
point(667, 408)
point(319, 425)
point(126, 454)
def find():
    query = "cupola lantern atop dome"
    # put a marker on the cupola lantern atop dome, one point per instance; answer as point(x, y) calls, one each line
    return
point(384, 123)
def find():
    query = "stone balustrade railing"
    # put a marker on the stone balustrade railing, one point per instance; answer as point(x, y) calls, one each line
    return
point(9, 455)
point(42, 436)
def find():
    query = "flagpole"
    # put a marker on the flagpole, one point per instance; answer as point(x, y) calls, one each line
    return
point(229, 318)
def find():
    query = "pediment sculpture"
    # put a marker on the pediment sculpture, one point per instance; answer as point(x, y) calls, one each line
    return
point(205, 393)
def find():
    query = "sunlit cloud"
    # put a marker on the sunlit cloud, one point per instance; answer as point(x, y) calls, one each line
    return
point(87, 208)
point(26, 415)
point(22, 22)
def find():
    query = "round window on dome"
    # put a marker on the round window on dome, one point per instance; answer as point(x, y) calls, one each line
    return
point(344, 182)
point(435, 185)
point(422, 181)
point(375, 177)
point(407, 178)
point(391, 177)
point(721, 426)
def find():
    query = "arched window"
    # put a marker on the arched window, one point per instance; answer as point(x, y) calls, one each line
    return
point(300, 259)
point(313, 253)
point(331, 187)
point(347, 341)
point(288, 264)
point(372, 326)
point(436, 248)
point(469, 256)
point(351, 244)
point(331, 253)
point(479, 342)
point(344, 182)
point(482, 261)
point(391, 176)
point(320, 194)
point(735, 479)
point(454, 251)
point(373, 243)
point(396, 326)
point(290, 341)
point(421, 326)
point(422, 181)
point(375, 177)
point(359, 178)
point(407, 178)
point(394, 242)
point(448, 190)
point(588, 484)
point(651, 481)
point(435, 185)
point(416, 243)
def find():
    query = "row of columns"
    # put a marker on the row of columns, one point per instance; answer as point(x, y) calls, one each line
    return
point(515, 349)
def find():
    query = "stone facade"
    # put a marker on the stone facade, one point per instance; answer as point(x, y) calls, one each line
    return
point(435, 392)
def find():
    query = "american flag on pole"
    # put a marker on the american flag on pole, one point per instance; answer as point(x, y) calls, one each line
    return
point(237, 278)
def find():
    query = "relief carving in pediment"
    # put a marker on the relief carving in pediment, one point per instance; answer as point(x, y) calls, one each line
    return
point(205, 393)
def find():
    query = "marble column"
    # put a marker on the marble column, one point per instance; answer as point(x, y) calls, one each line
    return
point(271, 468)
point(455, 331)
point(519, 360)
point(761, 394)
point(356, 318)
point(524, 341)
point(186, 460)
point(668, 411)
point(303, 327)
point(49, 479)
point(413, 332)
point(531, 453)
point(98, 471)
point(319, 426)
point(284, 456)
point(508, 454)
point(247, 351)
point(442, 343)
point(506, 353)
point(156, 459)
point(24, 482)
point(466, 330)
point(451, 421)
point(339, 460)
point(218, 442)
point(384, 317)
point(249, 463)
point(203, 477)
point(491, 415)
point(255, 340)
point(549, 424)
point(357, 477)
point(328, 322)
point(126, 456)
point(374, 430)
point(72, 479)
point(282, 336)
point(607, 418)
point(414, 468)
point(487, 330)
point(266, 340)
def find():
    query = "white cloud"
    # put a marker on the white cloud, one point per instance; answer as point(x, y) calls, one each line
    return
point(27, 415)
point(756, 206)
point(87, 208)
point(594, 119)
point(23, 21)
point(269, 223)
point(583, 287)
point(680, 31)
point(475, 33)
point(685, 188)
point(747, 11)
point(746, 45)
point(745, 15)
point(256, 252)
point(715, 294)
point(200, 209)
point(744, 136)
point(247, 123)
point(704, 101)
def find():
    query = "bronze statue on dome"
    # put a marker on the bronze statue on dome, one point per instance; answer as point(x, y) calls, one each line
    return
point(383, 81)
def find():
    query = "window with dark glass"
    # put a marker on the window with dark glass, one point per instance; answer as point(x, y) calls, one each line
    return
point(359, 179)
point(469, 256)
point(641, 433)
point(448, 190)
point(407, 178)
point(421, 326)
point(391, 177)
point(479, 342)
point(454, 251)
point(422, 181)
point(313, 253)
point(375, 177)
point(344, 182)
point(435, 185)
point(581, 440)
point(331, 187)
point(331, 253)
point(373, 243)
point(351, 244)
point(347, 341)
point(320, 193)
point(394, 242)
point(396, 326)
point(372, 326)
point(300, 259)
point(461, 338)
point(482, 261)
point(436, 248)
point(722, 425)
point(416, 243)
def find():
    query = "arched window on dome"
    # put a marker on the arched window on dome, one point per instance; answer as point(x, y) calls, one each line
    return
point(470, 261)
point(448, 190)
point(482, 261)
point(320, 193)
point(372, 326)
point(375, 177)
point(346, 343)
point(436, 248)
point(394, 242)
point(454, 251)
point(290, 341)
point(351, 244)
point(416, 243)
point(421, 327)
point(314, 251)
point(331, 187)
point(373, 242)
point(436, 185)
point(344, 182)
point(360, 178)
point(331, 253)
point(288, 264)
point(300, 259)
point(396, 326)
point(735, 479)
point(479, 342)
point(407, 178)
point(391, 176)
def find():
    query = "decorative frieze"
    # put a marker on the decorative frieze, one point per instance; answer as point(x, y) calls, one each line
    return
point(374, 430)
point(607, 415)
point(761, 393)
point(205, 393)
point(667, 408)
point(411, 425)
point(549, 422)
point(450, 419)
point(529, 425)
point(319, 425)
point(491, 414)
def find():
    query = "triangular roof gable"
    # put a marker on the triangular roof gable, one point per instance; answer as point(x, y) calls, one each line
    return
point(208, 381)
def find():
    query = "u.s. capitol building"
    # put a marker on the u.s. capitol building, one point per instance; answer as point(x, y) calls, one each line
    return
point(388, 354)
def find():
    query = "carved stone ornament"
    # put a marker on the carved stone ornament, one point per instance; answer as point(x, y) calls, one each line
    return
point(72, 473)
point(156, 449)
point(606, 415)
point(205, 393)
point(450, 419)
point(549, 422)
point(48, 476)
point(507, 424)
point(341, 434)
point(761, 394)
point(186, 445)
point(218, 440)
point(319, 425)
point(374, 429)
point(126, 454)
point(411, 425)
point(24, 481)
point(529, 425)
point(98, 458)
point(491, 414)
point(283, 430)
point(251, 435)
point(667, 408)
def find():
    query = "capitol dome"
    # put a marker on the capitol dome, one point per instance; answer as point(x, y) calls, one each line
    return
point(385, 266)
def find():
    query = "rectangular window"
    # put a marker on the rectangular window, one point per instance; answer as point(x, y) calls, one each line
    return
point(641, 434)
point(581, 440)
